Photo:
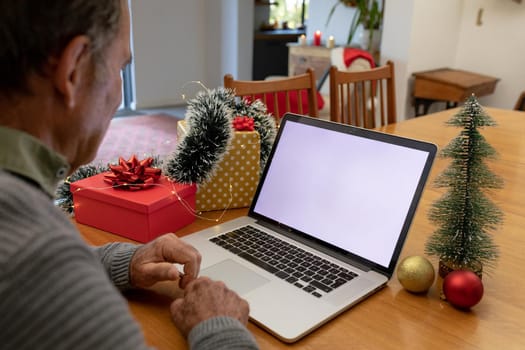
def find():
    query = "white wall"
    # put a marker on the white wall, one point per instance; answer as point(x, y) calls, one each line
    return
point(395, 45)
point(244, 40)
point(496, 48)
point(229, 40)
point(428, 34)
point(179, 41)
point(419, 35)
point(169, 48)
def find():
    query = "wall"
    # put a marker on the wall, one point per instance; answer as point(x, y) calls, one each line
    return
point(169, 49)
point(445, 34)
point(427, 34)
point(419, 35)
point(496, 48)
point(396, 44)
point(229, 40)
point(179, 41)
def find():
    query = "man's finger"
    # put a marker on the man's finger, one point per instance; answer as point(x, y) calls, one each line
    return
point(161, 272)
point(184, 254)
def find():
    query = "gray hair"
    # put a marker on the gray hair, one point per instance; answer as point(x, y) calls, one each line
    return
point(32, 31)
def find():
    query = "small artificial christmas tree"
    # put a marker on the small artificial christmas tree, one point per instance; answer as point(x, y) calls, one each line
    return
point(464, 214)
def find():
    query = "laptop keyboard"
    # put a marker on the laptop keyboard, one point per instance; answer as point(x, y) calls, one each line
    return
point(303, 269)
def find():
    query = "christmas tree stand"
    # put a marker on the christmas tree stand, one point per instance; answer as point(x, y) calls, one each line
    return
point(446, 267)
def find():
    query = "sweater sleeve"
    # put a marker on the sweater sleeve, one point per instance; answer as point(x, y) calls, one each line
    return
point(221, 333)
point(116, 257)
point(217, 333)
point(54, 295)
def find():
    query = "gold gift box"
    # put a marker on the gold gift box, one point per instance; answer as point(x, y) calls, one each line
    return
point(234, 183)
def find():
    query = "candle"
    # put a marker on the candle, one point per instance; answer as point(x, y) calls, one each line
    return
point(317, 38)
point(331, 42)
point(302, 40)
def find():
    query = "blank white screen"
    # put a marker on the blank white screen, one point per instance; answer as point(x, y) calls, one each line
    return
point(346, 190)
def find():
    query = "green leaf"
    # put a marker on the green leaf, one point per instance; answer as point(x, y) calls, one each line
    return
point(331, 13)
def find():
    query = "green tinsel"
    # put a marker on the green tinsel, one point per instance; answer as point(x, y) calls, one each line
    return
point(210, 131)
point(464, 214)
point(209, 118)
point(264, 123)
point(63, 196)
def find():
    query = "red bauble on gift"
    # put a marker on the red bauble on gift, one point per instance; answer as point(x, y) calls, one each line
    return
point(463, 288)
point(243, 123)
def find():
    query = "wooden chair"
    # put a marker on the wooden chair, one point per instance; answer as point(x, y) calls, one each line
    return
point(520, 103)
point(365, 99)
point(281, 95)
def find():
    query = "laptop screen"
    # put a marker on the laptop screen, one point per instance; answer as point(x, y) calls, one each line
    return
point(352, 188)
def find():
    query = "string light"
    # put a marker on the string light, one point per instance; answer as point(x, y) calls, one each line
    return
point(198, 82)
point(187, 206)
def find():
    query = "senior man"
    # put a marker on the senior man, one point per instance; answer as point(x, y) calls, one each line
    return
point(60, 85)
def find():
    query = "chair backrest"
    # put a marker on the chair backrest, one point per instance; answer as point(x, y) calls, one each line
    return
point(365, 99)
point(295, 94)
point(520, 103)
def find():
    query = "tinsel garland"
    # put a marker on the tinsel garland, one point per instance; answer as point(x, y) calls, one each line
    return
point(210, 131)
point(209, 117)
point(263, 121)
point(63, 195)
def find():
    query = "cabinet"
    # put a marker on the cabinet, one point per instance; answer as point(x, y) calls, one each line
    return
point(302, 57)
point(270, 52)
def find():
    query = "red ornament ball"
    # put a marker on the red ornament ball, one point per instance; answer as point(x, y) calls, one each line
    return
point(462, 288)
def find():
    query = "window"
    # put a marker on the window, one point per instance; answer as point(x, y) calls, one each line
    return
point(127, 88)
point(289, 13)
point(128, 81)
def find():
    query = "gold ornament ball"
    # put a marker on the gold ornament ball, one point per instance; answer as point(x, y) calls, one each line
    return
point(416, 274)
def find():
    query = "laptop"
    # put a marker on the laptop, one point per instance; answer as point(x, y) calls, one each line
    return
point(326, 225)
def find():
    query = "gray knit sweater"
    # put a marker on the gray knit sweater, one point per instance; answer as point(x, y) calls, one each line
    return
point(56, 294)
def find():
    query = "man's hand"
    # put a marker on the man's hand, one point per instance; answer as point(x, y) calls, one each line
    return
point(204, 299)
point(153, 262)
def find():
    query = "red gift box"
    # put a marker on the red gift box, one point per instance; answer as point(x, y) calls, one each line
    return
point(140, 215)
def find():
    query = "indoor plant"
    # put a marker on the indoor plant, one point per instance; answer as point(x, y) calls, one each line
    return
point(368, 14)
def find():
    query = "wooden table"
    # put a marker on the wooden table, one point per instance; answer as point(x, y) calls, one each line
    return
point(449, 85)
point(395, 318)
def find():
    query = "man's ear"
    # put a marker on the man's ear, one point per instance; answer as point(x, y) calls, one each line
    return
point(70, 67)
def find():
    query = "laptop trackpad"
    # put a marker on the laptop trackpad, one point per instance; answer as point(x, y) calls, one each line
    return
point(235, 276)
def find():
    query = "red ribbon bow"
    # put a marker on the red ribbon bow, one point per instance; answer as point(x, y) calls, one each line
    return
point(133, 174)
point(243, 123)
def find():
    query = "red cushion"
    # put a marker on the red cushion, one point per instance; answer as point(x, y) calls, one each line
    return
point(294, 103)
